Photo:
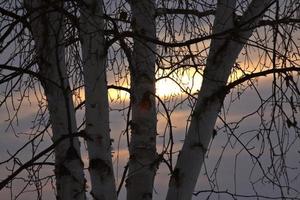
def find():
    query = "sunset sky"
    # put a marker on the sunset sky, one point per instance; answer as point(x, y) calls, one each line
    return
point(228, 166)
point(226, 174)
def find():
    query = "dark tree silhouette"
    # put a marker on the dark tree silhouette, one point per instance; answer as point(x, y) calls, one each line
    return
point(197, 86)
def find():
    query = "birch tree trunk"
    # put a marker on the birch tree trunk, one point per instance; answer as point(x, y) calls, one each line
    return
point(224, 51)
point(142, 163)
point(96, 105)
point(47, 28)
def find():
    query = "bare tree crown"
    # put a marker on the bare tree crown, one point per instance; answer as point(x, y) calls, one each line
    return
point(108, 99)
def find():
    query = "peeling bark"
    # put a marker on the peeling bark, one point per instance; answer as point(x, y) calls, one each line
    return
point(47, 28)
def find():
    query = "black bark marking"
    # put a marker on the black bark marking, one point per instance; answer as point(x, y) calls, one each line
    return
point(175, 177)
point(199, 145)
point(61, 170)
point(94, 196)
point(93, 105)
point(127, 182)
point(145, 103)
point(103, 169)
point(155, 164)
point(214, 134)
point(218, 95)
point(134, 127)
point(72, 154)
point(147, 195)
point(123, 15)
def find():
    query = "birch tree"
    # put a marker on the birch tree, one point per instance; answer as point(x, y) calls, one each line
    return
point(142, 166)
point(96, 100)
point(222, 56)
point(54, 50)
point(47, 27)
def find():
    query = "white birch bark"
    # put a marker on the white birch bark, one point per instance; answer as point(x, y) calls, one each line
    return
point(224, 50)
point(142, 163)
point(47, 28)
point(96, 97)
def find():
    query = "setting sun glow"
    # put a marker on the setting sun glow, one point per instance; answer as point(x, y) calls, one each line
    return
point(187, 80)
